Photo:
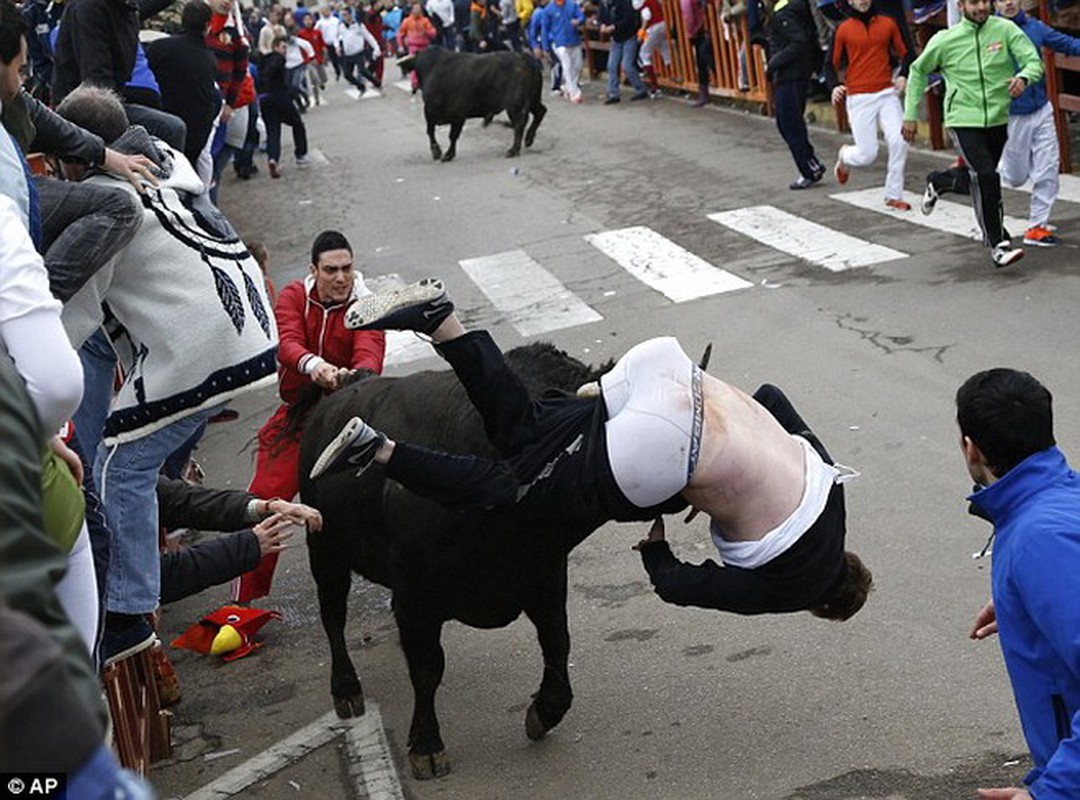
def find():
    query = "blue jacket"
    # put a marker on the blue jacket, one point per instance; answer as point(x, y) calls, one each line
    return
point(556, 29)
point(1041, 35)
point(535, 31)
point(1035, 508)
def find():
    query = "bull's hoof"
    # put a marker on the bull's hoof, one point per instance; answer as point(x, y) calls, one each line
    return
point(535, 728)
point(349, 706)
point(448, 156)
point(426, 766)
point(513, 152)
point(436, 153)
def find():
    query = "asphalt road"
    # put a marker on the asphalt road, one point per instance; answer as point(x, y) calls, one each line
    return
point(896, 704)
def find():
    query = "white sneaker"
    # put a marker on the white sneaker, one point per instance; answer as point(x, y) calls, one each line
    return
point(1003, 254)
point(929, 198)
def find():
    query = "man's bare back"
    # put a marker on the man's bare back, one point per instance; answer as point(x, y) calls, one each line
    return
point(750, 474)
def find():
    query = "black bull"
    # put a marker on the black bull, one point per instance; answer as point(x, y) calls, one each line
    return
point(460, 86)
point(483, 569)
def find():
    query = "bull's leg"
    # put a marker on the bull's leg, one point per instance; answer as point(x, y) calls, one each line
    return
point(455, 132)
point(436, 151)
point(333, 577)
point(538, 112)
point(517, 121)
point(548, 613)
point(420, 634)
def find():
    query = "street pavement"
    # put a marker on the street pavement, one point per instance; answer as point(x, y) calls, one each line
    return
point(622, 223)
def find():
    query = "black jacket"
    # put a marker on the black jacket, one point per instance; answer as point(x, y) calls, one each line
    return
point(208, 563)
point(623, 15)
point(186, 74)
point(39, 129)
point(97, 43)
point(794, 52)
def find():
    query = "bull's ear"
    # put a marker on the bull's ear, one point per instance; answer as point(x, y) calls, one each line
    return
point(704, 363)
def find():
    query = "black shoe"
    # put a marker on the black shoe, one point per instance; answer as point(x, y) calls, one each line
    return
point(802, 182)
point(353, 448)
point(610, 101)
point(640, 96)
point(125, 635)
point(420, 307)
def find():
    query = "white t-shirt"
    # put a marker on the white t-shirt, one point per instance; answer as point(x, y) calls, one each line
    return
point(330, 28)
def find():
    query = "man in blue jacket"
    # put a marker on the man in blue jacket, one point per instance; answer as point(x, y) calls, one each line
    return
point(1027, 490)
point(1032, 150)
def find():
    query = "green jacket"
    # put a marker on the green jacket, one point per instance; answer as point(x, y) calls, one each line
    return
point(977, 62)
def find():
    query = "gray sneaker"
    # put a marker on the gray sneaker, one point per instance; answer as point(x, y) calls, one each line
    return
point(353, 448)
point(420, 307)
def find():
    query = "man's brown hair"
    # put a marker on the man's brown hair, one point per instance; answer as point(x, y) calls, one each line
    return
point(850, 593)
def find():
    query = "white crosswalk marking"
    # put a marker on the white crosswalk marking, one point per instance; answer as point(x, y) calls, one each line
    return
point(404, 85)
point(1068, 190)
point(808, 240)
point(664, 266)
point(404, 347)
point(948, 217)
point(533, 299)
point(370, 94)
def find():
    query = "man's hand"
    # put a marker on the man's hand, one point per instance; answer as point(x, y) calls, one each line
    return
point(1017, 86)
point(656, 534)
point(985, 622)
point(900, 84)
point(69, 457)
point(326, 376)
point(273, 533)
point(134, 169)
point(908, 130)
point(1004, 794)
point(227, 112)
point(297, 513)
point(838, 94)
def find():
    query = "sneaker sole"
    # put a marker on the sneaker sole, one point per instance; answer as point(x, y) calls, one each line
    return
point(333, 451)
point(373, 307)
point(138, 647)
point(1039, 243)
point(1018, 255)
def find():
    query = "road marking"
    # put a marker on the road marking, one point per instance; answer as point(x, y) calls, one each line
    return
point(804, 239)
point(532, 299)
point(948, 217)
point(405, 85)
point(317, 156)
point(404, 347)
point(1068, 189)
point(662, 265)
point(370, 94)
point(367, 750)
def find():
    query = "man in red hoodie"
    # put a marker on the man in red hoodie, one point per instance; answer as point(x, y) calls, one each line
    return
point(314, 347)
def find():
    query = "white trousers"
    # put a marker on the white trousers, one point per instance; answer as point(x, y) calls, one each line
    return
point(570, 59)
point(1032, 152)
point(654, 403)
point(867, 113)
point(77, 590)
point(655, 37)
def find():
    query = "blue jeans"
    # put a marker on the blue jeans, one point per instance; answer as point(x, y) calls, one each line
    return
point(127, 479)
point(102, 778)
point(624, 53)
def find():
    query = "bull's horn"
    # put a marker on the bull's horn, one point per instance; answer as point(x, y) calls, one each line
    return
point(706, 356)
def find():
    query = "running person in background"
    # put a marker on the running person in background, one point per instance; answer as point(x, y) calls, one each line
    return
point(1032, 150)
point(653, 36)
point(986, 62)
point(868, 42)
